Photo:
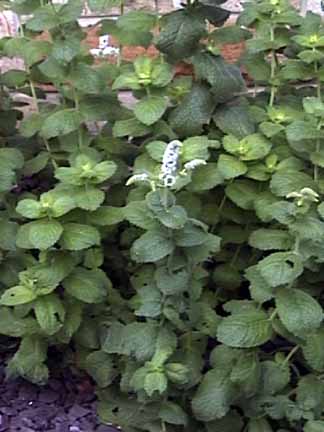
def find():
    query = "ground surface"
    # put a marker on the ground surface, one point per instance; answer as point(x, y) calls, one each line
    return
point(65, 405)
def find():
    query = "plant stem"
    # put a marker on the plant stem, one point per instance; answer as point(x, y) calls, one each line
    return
point(318, 81)
point(120, 46)
point(77, 107)
point(273, 315)
point(290, 355)
point(236, 255)
point(273, 66)
point(317, 149)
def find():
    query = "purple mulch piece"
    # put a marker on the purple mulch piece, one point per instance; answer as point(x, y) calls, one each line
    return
point(104, 428)
point(27, 392)
point(77, 411)
point(58, 407)
point(48, 396)
point(4, 423)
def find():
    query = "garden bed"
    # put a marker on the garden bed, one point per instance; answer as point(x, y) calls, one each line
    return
point(65, 404)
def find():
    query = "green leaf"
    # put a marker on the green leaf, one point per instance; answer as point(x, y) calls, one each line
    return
point(36, 164)
point(100, 367)
point(155, 382)
point(130, 127)
point(89, 198)
point(8, 233)
point(230, 167)
point(214, 396)
point(259, 425)
point(150, 109)
point(225, 79)
point(137, 338)
point(106, 216)
point(156, 150)
point(89, 286)
point(44, 18)
point(234, 120)
point(139, 215)
point(232, 422)
point(31, 125)
point(50, 313)
point(180, 34)
point(242, 193)
point(313, 349)
point(255, 147)
point(11, 158)
point(206, 177)
point(260, 289)
point(137, 21)
point(268, 239)
point(245, 330)
point(195, 148)
point(127, 80)
point(280, 268)
point(17, 295)
point(14, 78)
point(285, 182)
point(171, 283)
point(151, 247)
point(30, 209)
point(193, 112)
point(61, 122)
point(172, 413)
point(275, 376)
point(191, 235)
point(310, 393)
point(13, 326)
point(41, 234)
point(175, 217)
point(86, 79)
point(29, 360)
point(301, 130)
point(231, 34)
point(78, 237)
point(314, 426)
point(162, 74)
point(103, 5)
point(299, 312)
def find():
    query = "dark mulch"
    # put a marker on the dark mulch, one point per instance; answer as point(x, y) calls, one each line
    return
point(66, 404)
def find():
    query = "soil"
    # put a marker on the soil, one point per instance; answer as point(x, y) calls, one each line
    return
point(65, 404)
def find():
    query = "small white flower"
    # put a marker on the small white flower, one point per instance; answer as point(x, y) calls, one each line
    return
point(169, 180)
point(310, 193)
point(294, 195)
point(189, 166)
point(136, 178)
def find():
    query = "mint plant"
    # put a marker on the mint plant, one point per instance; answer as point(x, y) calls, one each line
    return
point(170, 249)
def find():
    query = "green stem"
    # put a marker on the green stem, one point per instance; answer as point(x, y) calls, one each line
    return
point(220, 208)
point(236, 255)
point(120, 46)
point(273, 315)
point(77, 107)
point(273, 66)
point(317, 149)
point(318, 81)
point(290, 355)
point(297, 243)
point(35, 100)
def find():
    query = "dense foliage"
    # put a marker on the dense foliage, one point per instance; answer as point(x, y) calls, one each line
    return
point(175, 251)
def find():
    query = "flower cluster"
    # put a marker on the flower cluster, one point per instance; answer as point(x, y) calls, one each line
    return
point(170, 163)
point(304, 195)
point(143, 177)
